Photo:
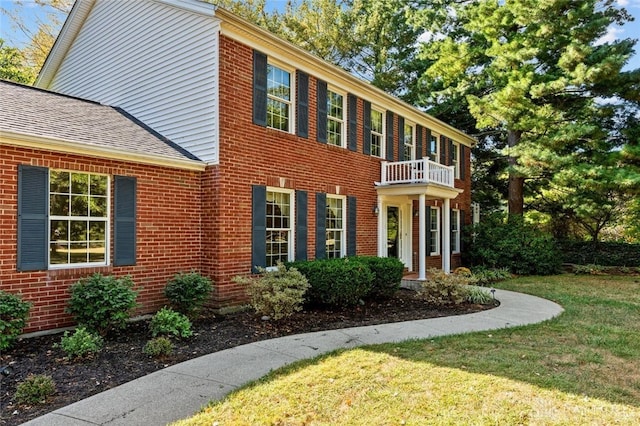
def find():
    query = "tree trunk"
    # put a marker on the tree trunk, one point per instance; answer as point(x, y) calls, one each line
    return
point(516, 182)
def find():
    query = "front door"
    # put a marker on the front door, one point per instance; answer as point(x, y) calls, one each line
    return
point(394, 233)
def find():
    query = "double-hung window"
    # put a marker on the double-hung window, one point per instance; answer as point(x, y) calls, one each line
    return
point(335, 227)
point(377, 133)
point(455, 158)
point(408, 147)
point(279, 227)
point(434, 232)
point(78, 218)
point(335, 118)
point(455, 231)
point(279, 110)
point(434, 148)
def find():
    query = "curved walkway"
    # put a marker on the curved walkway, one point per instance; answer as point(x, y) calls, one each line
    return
point(181, 390)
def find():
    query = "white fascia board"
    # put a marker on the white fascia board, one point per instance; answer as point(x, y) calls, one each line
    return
point(195, 6)
point(251, 35)
point(26, 140)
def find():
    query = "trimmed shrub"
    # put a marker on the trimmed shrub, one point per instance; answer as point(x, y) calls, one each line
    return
point(13, 318)
point(167, 321)
point(336, 282)
point(82, 342)
point(445, 289)
point(387, 271)
point(602, 254)
point(35, 389)
point(102, 303)
point(158, 347)
point(277, 293)
point(479, 295)
point(187, 292)
point(512, 244)
point(486, 276)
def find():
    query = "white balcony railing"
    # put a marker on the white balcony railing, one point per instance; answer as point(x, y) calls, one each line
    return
point(417, 171)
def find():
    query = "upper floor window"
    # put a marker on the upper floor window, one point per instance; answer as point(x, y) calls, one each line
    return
point(279, 98)
point(434, 148)
point(78, 218)
point(279, 227)
point(335, 118)
point(335, 227)
point(455, 231)
point(408, 148)
point(377, 133)
point(455, 158)
point(434, 231)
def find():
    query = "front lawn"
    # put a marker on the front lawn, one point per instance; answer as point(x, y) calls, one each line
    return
point(581, 368)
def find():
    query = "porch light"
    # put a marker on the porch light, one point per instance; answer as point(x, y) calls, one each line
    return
point(376, 210)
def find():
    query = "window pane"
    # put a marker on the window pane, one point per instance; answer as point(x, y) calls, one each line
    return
point(98, 207)
point(59, 182)
point(97, 231)
point(78, 252)
point(98, 185)
point(59, 205)
point(79, 183)
point(278, 83)
point(59, 253)
point(97, 252)
point(78, 231)
point(79, 205)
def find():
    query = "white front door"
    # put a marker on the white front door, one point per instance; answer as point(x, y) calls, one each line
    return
point(398, 233)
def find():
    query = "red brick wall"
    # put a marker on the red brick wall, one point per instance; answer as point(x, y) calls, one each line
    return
point(254, 155)
point(168, 233)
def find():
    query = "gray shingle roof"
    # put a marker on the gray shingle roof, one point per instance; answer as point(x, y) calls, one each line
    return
point(32, 111)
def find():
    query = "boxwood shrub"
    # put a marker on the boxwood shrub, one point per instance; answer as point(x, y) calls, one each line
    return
point(336, 282)
point(603, 253)
point(387, 271)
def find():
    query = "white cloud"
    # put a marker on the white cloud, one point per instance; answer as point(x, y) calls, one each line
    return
point(612, 34)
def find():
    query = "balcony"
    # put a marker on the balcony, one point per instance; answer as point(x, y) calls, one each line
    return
point(423, 171)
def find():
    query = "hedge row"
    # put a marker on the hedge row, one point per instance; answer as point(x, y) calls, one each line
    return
point(603, 253)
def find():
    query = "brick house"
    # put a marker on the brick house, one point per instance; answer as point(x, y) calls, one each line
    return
point(299, 159)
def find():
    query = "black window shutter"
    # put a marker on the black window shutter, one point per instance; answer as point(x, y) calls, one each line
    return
point(450, 163)
point(301, 225)
point(258, 227)
point(321, 94)
point(463, 162)
point(428, 143)
point(259, 88)
point(124, 223)
point(401, 138)
point(419, 154)
point(302, 98)
point(443, 150)
point(366, 134)
point(352, 215)
point(428, 239)
point(389, 125)
point(352, 118)
point(33, 193)
point(321, 225)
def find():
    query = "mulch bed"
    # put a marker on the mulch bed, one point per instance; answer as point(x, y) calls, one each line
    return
point(122, 359)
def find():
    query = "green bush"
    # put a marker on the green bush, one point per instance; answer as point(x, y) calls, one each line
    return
point(278, 293)
point(35, 389)
point(445, 289)
point(82, 342)
point(387, 271)
point(13, 318)
point(167, 321)
point(187, 292)
point(511, 244)
point(479, 295)
point(603, 253)
point(158, 347)
point(102, 303)
point(336, 282)
point(485, 276)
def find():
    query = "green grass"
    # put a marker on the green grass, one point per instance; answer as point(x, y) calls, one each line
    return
point(580, 368)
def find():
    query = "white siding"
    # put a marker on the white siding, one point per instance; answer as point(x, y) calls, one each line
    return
point(157, 62)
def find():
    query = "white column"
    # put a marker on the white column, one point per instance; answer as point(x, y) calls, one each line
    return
point(446, 236)
point(422, 233)
point(382, 229)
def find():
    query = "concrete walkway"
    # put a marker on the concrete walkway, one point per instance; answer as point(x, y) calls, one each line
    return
point(181, 390)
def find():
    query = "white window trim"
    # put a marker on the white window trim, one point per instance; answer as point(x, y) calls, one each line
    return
point(107, 234)
point(383, 141)
point(436, 230)
point(437, 151)
point(292, 226)
point(293, 90)
point(456, 164)
point(343, 121)
point(343, 230)
point(413, 138)
point(455, 241)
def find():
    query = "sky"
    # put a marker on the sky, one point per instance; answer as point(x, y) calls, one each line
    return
point(31, 12)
